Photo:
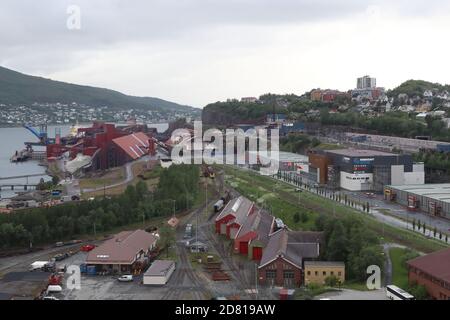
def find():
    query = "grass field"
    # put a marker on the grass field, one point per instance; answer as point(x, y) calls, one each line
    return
point(112, 176)
point(399, 270)
point(285, 201)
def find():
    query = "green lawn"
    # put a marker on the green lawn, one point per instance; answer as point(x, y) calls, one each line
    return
point(399, 270)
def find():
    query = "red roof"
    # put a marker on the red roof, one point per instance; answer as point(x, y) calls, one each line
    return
point(436, 264)
point(135, 145)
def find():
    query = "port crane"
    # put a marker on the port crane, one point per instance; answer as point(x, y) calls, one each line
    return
point(40, 133)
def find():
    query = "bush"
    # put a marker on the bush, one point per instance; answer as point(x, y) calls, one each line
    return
point(419, 291)
point(332, 281)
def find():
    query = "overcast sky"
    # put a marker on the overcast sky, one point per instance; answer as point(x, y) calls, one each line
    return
point(200, 51)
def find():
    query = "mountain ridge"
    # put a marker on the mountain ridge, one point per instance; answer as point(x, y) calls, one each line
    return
point(18, 88)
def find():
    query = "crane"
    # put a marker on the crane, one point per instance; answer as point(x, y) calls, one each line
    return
point(40, 133)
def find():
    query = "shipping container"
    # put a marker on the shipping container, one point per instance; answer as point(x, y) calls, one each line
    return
point(91, 270)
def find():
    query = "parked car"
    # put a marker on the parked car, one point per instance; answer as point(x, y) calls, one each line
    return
point(50, 298)
point(125, 278)
point(60, 257)
point(87, 247)
point(52, 288)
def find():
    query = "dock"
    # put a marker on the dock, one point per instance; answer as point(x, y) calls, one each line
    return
point(14, 186)
point(26, 154)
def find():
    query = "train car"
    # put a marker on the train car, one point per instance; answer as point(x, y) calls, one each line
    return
point(218, 205)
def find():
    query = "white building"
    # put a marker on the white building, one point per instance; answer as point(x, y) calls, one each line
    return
point(366, 82)
point(159, 272)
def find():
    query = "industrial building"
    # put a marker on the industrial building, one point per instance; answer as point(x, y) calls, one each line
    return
point(103, 146)
point(363, 170)
point(254, 234)
point(126, 252)
point(232, 217)
point(390, 142)
point(433, 272)
point(318, 271)
point(280, 251)
point(282, 259)
point(433, 199)
point(159, 272)
point(287, 161)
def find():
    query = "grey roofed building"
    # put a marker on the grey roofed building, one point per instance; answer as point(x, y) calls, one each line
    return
point(159, 268)
point(359, 153)
point(293, 246)
point(264, 228)
point(260, 222)
point(123, 248)
point(238, 207)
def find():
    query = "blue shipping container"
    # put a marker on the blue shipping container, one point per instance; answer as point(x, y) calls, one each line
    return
point(443, 147)
point(91, 270)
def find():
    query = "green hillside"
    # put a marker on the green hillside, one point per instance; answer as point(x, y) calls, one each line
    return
point(417, 87)
point(17, 88)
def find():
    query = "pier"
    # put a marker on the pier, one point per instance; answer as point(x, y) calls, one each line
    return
point(24, 176)
point(14, 186)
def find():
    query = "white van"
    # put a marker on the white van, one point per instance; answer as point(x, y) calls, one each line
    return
point(125, 278)
point(54, 289)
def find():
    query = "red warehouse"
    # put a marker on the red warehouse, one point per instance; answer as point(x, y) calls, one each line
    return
point(433, 272)
point(233, 216)
point(282, 259)
point(254, 234)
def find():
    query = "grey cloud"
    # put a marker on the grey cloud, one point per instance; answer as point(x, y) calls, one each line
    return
point(34, 36)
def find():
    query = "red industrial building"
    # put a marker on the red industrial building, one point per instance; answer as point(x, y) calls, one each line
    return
point(254, 234)
point(282, 259)
point(108, 146)
point(233, 216)
point(263, 238)
point(433, 272)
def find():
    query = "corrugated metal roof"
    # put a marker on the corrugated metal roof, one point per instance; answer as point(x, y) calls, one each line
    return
point(122, 249)
point(293, 246)
point(436, 191)
point(159, 268)
point(238, 207)
point(135, 145)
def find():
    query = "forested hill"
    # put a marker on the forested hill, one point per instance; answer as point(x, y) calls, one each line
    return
point(20, 89)
point(238, 112)
point(417, 87)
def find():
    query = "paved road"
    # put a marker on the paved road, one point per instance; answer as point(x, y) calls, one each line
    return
point(388, 265)
point(128, 174)
point(397, 210)
point(402, 218)
point(347, 294)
